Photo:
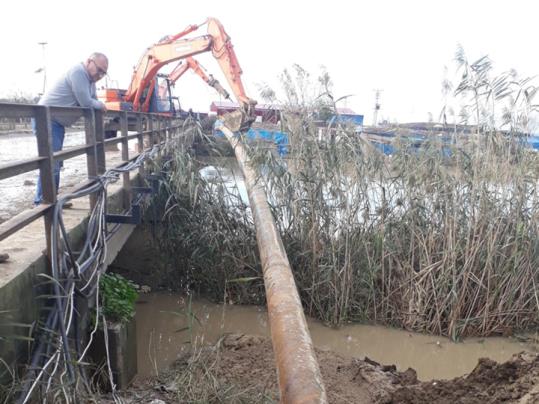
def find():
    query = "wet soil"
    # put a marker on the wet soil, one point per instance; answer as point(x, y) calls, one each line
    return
point(514, 381)
point(245, 363)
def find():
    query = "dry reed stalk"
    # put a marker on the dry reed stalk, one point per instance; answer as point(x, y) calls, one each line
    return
point(444, 240)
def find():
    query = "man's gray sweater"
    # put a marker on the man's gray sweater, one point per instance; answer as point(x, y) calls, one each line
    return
point(73, 89)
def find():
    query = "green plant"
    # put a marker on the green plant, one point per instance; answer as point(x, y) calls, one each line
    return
point(118, 297)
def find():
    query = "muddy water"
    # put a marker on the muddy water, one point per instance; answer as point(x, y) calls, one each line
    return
point(18, 192)
point(163, 333)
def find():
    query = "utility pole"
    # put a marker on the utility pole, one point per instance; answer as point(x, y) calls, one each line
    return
point(376, 106)
point(44, 67)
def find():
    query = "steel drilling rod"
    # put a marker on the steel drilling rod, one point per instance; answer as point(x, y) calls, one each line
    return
point(299, 376)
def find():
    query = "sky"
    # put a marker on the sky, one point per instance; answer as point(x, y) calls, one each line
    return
point(400, 47)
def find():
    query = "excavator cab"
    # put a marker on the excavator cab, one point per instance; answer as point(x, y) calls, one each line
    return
point(162, 101)
point(159, 103)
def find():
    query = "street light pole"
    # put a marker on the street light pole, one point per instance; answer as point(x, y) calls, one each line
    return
point(43, 44)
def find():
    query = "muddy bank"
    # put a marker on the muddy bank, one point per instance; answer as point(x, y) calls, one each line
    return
point(514, 381)
point(240, 369)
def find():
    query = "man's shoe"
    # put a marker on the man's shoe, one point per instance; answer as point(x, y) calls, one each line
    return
point(4, 257)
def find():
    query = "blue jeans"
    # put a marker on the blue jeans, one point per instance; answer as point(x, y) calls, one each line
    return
point(58, 134)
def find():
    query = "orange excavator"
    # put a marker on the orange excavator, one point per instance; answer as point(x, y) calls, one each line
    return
point(143, 92)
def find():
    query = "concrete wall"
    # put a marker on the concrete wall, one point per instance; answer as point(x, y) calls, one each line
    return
point(21, 285)
point(19, 304)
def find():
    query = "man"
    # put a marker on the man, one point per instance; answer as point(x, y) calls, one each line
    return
point(76, 88)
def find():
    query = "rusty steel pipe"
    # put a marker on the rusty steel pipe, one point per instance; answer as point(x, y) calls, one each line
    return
point(299, 376)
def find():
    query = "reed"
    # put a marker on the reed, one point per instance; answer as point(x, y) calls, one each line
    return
point(442, 240)
point(206, 230)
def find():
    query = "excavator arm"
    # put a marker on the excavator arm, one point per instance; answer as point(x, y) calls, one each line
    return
point(177, 47)
point(182, 67)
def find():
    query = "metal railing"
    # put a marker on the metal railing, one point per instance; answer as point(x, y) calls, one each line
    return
point(150, 128)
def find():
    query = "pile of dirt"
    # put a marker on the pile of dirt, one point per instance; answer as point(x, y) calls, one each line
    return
point(245, 363)
point(514, 381)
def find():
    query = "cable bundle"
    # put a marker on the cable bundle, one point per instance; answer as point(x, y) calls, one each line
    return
point(74, 276)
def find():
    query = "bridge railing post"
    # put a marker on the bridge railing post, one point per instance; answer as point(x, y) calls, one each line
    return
point(150, 129)
point(159, 134)
point(100, 142)
point(168, 131)
point(126, 183)
point(140, 129)
point(91, 154)
point(42, 118)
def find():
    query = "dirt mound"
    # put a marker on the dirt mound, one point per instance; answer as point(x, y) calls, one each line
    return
point(241, 369)
point(246, 359)
point(247, 362)
point(514, 381)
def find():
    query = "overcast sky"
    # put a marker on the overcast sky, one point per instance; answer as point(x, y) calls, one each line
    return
point(400, 47)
